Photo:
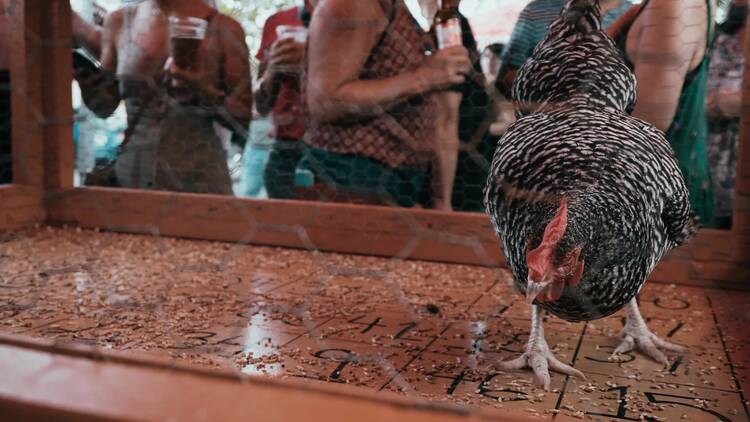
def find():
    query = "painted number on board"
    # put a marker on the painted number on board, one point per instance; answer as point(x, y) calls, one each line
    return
point(342, 356)
point(673, 399)
point(657, 398)
point(402, 332)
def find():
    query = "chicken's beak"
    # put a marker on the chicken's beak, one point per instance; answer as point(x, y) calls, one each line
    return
point(533, 288)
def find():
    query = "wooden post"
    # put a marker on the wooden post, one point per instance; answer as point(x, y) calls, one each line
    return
point(56, 86)
point(26, 92)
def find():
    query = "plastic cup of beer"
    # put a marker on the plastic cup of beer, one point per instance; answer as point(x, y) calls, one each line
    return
point(297, 33)
point(186, 35)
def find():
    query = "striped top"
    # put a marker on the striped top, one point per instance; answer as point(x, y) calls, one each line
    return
point(532, 25)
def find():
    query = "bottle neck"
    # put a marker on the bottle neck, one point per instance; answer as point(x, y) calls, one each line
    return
point(448, 5)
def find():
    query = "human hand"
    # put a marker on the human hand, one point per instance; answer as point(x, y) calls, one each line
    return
point(190, 84)
point(445, 68)
point(286, 55)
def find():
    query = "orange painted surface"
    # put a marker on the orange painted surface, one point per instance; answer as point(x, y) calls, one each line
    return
point(365, 325)
point(40, 381)
point(712, 259)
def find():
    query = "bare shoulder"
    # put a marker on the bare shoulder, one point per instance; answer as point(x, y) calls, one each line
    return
point(229, 28)
point(229, 23)
point(347, 10)
point(687, 12)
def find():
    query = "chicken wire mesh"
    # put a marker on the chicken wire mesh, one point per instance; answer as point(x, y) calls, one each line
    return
point(427, 330)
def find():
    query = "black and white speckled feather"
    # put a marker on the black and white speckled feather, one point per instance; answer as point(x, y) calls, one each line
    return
point(627, 200)
point(576, 58)
point(628, 204)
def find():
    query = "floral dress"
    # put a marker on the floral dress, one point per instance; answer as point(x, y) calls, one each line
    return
point(725, 73)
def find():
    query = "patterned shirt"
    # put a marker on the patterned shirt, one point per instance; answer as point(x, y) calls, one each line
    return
point(532, 24)
point(402, 135)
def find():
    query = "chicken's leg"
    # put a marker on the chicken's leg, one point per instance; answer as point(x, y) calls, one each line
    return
point(538, 356)
point(637, 334)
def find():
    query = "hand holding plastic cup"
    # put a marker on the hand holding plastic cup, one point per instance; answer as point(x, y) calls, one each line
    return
point(186, 35)
point(287, 57)
point(297, 33)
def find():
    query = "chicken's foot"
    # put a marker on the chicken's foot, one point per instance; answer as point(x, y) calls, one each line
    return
point(538, 356)
point(637, 335)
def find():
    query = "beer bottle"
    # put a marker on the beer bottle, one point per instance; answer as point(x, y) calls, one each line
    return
point(447, 24)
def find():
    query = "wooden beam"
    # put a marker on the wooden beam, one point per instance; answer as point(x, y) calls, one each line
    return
point(40, 380)
point(20, 207)
point(309, 225)
point(57, 36)
point(713, 258)
point(26, 94)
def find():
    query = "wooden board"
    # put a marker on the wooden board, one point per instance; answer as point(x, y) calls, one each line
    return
point(39, 379)
point(430, 331)
point(713, 258)
point(26, 93)
point(57, 102)
point(20, 206)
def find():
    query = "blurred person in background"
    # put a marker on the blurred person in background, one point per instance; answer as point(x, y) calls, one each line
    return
point(87, 35)
point(279, 92)
point(492, 54)
point(504, 113)
point(370, 96)
point(666, 43)
point(446, 120)
point(87, 31)
point(473, 113)
point(724, 107)
point(171, 142)
point(6, 157)
point(531, 28)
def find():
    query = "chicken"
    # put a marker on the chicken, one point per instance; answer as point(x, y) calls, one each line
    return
point(575, 58)
point(585, 198)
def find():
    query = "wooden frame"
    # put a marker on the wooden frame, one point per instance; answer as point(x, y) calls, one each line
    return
point(85, 384)
point(41, 109)
point(42, 192)
point(43, 152)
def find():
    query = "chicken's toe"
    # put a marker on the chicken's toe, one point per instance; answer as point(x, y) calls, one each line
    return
point(538, 355)
point(541, 360)
point(647, 346)
point(624, 347)
point(562, 368)
point(538, 364)
point(663, 344)
point(647, 343)
point(636, 335)
point(513, 365)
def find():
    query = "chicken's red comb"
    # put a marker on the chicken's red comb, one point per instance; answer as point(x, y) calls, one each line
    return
point(538, 260)
point(556, 228)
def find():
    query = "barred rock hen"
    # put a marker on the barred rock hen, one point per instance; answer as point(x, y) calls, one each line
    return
point(585, 198)
point(575, 58)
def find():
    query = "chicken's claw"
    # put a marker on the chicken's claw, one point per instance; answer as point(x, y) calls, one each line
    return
point(648, 343)
point(636, 335)
point(540, 359)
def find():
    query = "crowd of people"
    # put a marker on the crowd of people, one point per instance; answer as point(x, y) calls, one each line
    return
point(360, 96)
